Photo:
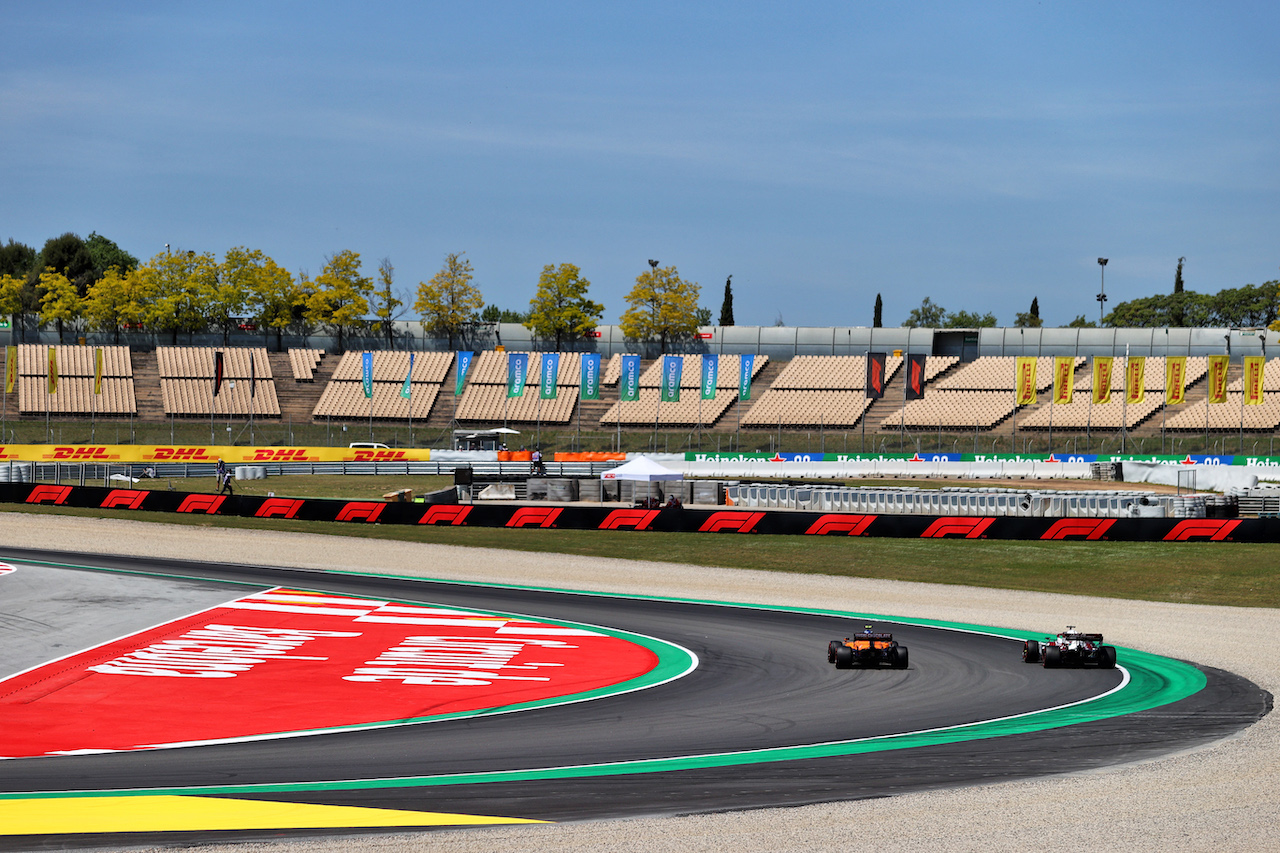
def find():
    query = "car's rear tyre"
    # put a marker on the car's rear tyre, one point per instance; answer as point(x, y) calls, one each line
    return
point(899, 659)
point(1052, 657)
point(1107, 657)
point(844, 658)
point(1031, 651)
point(831, 650)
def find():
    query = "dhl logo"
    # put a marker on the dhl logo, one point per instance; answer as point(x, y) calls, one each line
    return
point(445, 515)
point(80, 454)
point(181, 454)
point(123, 499)
point(1195, 528)
point(208, 504)
point(381, 456)
point(278, 508)
point(850, 525)
point(49, 494)
point(959, 526)
point(730, 521)
point(636, 519)
point(366, 511)
point(1089, 528)
point(535, 516)
point(281, 454)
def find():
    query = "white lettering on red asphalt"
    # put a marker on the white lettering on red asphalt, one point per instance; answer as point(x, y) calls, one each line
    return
point(215, 651)
point(455, 661)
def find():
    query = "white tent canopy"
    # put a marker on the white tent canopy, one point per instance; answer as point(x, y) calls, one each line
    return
point(641, 468)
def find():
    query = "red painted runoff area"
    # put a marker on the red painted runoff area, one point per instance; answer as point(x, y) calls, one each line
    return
point(289, 661)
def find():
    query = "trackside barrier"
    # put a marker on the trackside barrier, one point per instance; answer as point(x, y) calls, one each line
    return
point(969, 522)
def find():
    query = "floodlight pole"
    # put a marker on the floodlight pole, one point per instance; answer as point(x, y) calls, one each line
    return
point(1102, 292)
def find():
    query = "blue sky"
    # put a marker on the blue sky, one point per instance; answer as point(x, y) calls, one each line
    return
point(977, 154)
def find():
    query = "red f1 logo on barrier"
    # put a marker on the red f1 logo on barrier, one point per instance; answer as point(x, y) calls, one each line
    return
point(850, 525)
point(445, 515)
point(1214, 531)
point(1089, 528)
point(126, 498)
point(740, 522)
point(208, 504)
point(278, 508)
point(49, 494)
point(969, 528)
point(535, 516)
point(636, 519)
point(367, 511)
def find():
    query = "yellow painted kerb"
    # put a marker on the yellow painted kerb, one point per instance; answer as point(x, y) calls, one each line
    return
point(74, 815)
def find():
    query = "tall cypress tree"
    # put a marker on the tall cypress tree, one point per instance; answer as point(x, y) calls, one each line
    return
point(726, 307)
point(1177, 277)
point(1035, 307)
point(877, 318)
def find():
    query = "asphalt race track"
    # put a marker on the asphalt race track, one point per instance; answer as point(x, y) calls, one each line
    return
point(762, 683)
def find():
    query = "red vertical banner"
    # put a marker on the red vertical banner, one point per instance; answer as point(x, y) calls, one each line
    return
point(217, 372)
point(875, 374)
point(1026, 380)
point(1135, 380)
point(915, 377)
point(1064, 379)
point(1218, 365)
point(1175, 380)
point(1253, 370)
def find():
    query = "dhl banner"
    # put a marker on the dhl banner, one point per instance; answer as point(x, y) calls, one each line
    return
point(1026, 380)
point(1218, 365)
point(1253, 368)
point(1175, 380)
point(1064, 378)
point(1135, 380)
point(1102, 365)
point(160, 453)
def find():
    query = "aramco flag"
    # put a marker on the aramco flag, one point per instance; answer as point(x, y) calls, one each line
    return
point(464, 367)
point(97, 370)
point(10, 368)
point(875, 375)
point(53, 371)
point(710, 375)
point(1064, 379)
point(1175, 380)
point(517, 373)
point(746, 368)
point(1026, 380)
point(1218, 365)
point(217, 372)
point(366, 373)
point(915, 377)
point(589, 384)
point(406, 390)
point(1253, 370)
point(1135, 380)
point(629, 380)
point(1102, 366)
point(550, 370)
point(672, 366)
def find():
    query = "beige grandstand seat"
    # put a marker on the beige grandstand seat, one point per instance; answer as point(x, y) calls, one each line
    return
point(954, 409)
point(488, 402)
point(344, 397)
point(303, 363)
point(831, 372)
point(1227, 416)
point(998, 373)
point(392, 365)
point(187, 382)
point(612, 372)
point(681, 413)
point(1270, 378)
point(490, 368)
point(1152, 373)
point(728, 369)
point(1079, 414)
point(807, 408)
point(76, 370)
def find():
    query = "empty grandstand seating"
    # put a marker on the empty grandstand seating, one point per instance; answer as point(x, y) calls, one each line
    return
point(1227, 416)
point(819, 391)
point(679, 413)
point(954, 409)
point(76, 371)
point(997, 373)
point(344, 396)
point(304, 362)
point(728, 368)
point(832, 372)
point(1152, 373)
point(187, 382)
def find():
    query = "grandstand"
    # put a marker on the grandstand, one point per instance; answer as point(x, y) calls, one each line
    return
point(344, 398)
point(690, 410)
point(187, 382)
point(820, 391)
point(484, 399)
point(977, 395)
point(304, 362)
point(76, 371)
point(1082, 413)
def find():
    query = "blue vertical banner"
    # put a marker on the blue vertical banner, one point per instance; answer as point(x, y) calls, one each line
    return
point(550, 371)
point(464, 367)
point(672, 365)
point(517, 373)
point(746, 369)
point(589, 385)
point(366, 375)
point(710, 375)
point(406, 390)
point(629, 381)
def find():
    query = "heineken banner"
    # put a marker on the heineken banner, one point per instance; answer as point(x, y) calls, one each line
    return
point(1102, 365)
point(464, 367)
point(53, 371)
point(406, 390)
point(1175, 380)
point(97, 370)
point(746, 369)
point(1135, 380)
point(1218, 365)
point(629, 381)
point(550, 371)
point(1253, 370)
point(517, 373)
point(1064, 379)
point(915, 377)
point(875, 374)
point(589, 383)
point(672, 365)
point(1026, 380)
point(366, 373)
point(10, 368)
point(710, 373)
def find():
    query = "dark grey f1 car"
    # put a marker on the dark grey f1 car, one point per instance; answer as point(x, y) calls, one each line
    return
point(1070, 648)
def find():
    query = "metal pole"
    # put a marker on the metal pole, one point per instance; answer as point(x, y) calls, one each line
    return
point(1124, 403)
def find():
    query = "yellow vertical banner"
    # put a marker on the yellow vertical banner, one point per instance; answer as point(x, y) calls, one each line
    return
point(1064, 378)
point(10, 368)
point(1218, 365)
point(1175, 380)
point(1135, 380)
point(1253, 370)
point(1102, 365)
point(53, 370)
point(97, 370)
point(1026, 380)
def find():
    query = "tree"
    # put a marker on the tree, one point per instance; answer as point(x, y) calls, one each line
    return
point(272, 297)
point(703, 317)
point(929, 315)
point(877, 314)
point(116, 300)
point(385, 303)
point(969, 320)
point(1030, 319)
point(1177, 276)
point(1081, 323)
point(68, 255)
point(59, 301)
point(224, 289)
point(494, 314)
point(726, 307)
point(17, 259)
point(340, 300)
point(11, 294)
point(560, 308)
point(662, 305)
point(304, 292)
point(173, 283)
point(106, 254)
point(449, 302)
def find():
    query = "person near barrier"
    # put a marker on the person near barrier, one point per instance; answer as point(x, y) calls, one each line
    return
point(536, 466)
point(226, 483)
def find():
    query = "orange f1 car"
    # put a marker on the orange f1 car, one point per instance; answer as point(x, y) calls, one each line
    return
point(870, 648)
